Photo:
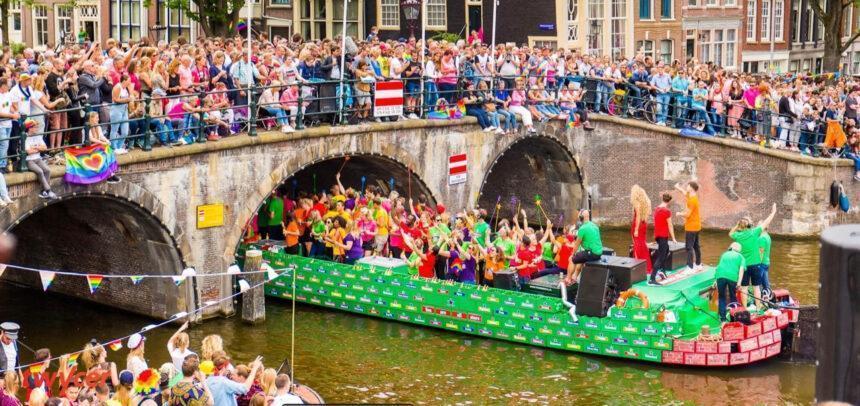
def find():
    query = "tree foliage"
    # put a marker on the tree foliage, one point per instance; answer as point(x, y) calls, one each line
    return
point(217, 18)
point(832, 15)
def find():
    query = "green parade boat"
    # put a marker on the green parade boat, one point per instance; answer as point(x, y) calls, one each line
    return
point(672, 323)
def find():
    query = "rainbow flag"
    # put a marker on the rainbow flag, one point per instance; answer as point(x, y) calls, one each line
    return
point(94, 282)
point(88, 165)
point(135, 279)
point(115, 345)
point(73, 359)
point(36, 369)
point(47, 277)
point(241, 26)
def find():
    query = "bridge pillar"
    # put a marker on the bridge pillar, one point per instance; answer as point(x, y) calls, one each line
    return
point(253, 300)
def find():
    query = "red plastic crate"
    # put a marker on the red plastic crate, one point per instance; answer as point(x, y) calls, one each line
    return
point(782, 320)
point(768, 323)
point(724, 347)
point(684, 346)
point(777, 336)
point(718, 359)
point(752, 330)
point(707, 347)
point(773, 350)
point(739, 358)
point(758, 354)
point(765, 339)
point(793, 315)
point(692, 358)
point(733, 331)
point(673, 357)
point(749, 344)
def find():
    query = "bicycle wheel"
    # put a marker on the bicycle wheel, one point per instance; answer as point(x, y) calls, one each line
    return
point(649, 111)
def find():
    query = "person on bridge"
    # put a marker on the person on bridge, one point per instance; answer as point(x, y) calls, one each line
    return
point(692, 224)
point(639, 227)
point(663, 229)
point(587, 238)
point(35, 146)
point(748, 237)
point(728, 274)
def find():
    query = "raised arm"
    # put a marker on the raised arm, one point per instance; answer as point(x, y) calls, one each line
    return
point(766, 222)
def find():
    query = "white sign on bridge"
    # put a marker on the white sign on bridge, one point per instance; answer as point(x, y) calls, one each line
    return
point(457, 169)
point(388, 99)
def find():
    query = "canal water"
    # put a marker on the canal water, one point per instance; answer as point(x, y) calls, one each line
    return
point(350, 358)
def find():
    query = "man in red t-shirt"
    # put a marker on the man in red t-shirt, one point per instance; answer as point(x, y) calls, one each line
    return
point(528, 260)
point(662, 231)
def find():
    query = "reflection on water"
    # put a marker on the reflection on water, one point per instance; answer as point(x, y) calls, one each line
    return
point(350, 358)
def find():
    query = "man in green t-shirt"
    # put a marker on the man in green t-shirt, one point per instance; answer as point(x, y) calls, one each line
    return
point(506, 244)
point(748, 237)
point(274, 222)
point(482, 229)
point(728, 274)
point(587, 238)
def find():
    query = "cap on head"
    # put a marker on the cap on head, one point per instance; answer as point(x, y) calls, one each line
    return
point(10, 329)
point(126, 377)
point(135, 341)
point(30, 123)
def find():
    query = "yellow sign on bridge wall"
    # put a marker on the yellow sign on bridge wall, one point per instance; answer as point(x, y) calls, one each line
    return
point(210, 215)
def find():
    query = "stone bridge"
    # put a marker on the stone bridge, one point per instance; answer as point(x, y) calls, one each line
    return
point(148, 223)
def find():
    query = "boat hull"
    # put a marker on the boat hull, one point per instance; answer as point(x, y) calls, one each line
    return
point(519, 317)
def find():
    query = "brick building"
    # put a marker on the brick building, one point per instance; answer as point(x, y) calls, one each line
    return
point(712, 29)
point(658, 31)
point(765, 28)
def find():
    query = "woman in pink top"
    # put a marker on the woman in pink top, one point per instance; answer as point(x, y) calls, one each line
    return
point(290, 102)
point(447, 82)
point(517, 104)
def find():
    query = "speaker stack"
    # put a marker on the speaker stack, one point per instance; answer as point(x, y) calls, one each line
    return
point(596, 293)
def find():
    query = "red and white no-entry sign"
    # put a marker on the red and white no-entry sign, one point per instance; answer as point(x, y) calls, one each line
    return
point(388, 99)
point(457, 169)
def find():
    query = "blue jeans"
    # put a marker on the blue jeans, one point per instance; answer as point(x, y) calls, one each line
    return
point(510, 118)
point(164, 131)
point(682, 106)
point(765, 277)
point(725, 293)
point(701, 114)
point(717, 120)
point(431, 94)
point(494, 118)
point(4, 146)
point(856, 159)
point(190, 128)
point(663, 100)
point(119, 125)
point(604, 93)
point(280, 115)
point(478, 112)
point(634, 96)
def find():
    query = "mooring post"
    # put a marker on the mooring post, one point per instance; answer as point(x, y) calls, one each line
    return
point(253, 299)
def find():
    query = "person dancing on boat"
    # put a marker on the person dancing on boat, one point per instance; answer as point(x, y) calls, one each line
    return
point(663, 229)
point(728, 274)
point(588, 238)
point(692, 224)
point(639, 227)
point(748, 237)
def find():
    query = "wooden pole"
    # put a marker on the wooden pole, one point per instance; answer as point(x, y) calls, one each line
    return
point(253, 300)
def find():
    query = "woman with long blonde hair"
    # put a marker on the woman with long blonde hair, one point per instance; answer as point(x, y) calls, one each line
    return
point(9, 391)
point(639, 227)
point(211, 344)
point(267, 382)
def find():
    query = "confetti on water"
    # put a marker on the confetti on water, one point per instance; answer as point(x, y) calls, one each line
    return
point(460, 378)
point(526, 393)
point(381, 395)
point(360, 389)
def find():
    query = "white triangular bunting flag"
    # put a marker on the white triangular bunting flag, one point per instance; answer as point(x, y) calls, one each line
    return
point(135, 279)
point(178, 279)
point(47, 277)
point(2, 269)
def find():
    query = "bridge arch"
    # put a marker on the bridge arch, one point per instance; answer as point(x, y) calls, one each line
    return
point(101, 229)
point(538, 164)
point(379, 168)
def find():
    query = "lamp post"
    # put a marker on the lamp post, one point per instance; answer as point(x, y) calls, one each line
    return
point(411, 11)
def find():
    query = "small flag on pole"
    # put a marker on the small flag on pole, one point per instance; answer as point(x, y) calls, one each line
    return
point(178, 280)
point(115, 345)
point(94, 281)
point(36, 369)
point(47, 278)
point(135, 279)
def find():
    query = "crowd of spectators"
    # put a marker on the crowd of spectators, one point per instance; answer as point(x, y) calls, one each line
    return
point(158, 93)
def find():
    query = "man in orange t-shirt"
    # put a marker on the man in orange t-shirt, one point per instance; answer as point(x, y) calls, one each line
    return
point(692, 224)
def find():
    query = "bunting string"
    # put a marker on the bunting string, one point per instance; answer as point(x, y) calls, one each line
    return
point(116, 343)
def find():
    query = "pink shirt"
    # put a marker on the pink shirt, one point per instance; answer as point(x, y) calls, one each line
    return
point(750, 95)
point(186, 78)
point(518, 98)
point(449, 72)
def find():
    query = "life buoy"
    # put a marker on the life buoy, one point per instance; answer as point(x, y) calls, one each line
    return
point(622, 299)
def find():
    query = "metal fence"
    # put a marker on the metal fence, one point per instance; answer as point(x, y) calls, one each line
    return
point(194, 118)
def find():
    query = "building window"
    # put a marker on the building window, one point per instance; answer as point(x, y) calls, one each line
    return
point(594, 40)
point(313, 19)
point(40, 26)
point(751, 13)
point(572, 20)
point(765, 20)
point(543, 43)
point(619, 14)
point(646, 48)
point(729, 3)
point(15, 15)
point(712, 2)
point(352, 8)
point(125, 20)
point(731, 44)
point(705, 46)
point(389, 14)
point(855, 63)
point(778, 9)
point(666, 9)
point(64, 20)
point(693, 3)
point(795, 19)
point(176, 22)
point(645, 9)
point(282, 2)
point(666, 51)
point(437, 14)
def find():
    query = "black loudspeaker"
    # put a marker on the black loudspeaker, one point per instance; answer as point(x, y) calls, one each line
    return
point(548, 286)
point(838, 370)
point(625, 271)
point(506, 279)
point(596, 292)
